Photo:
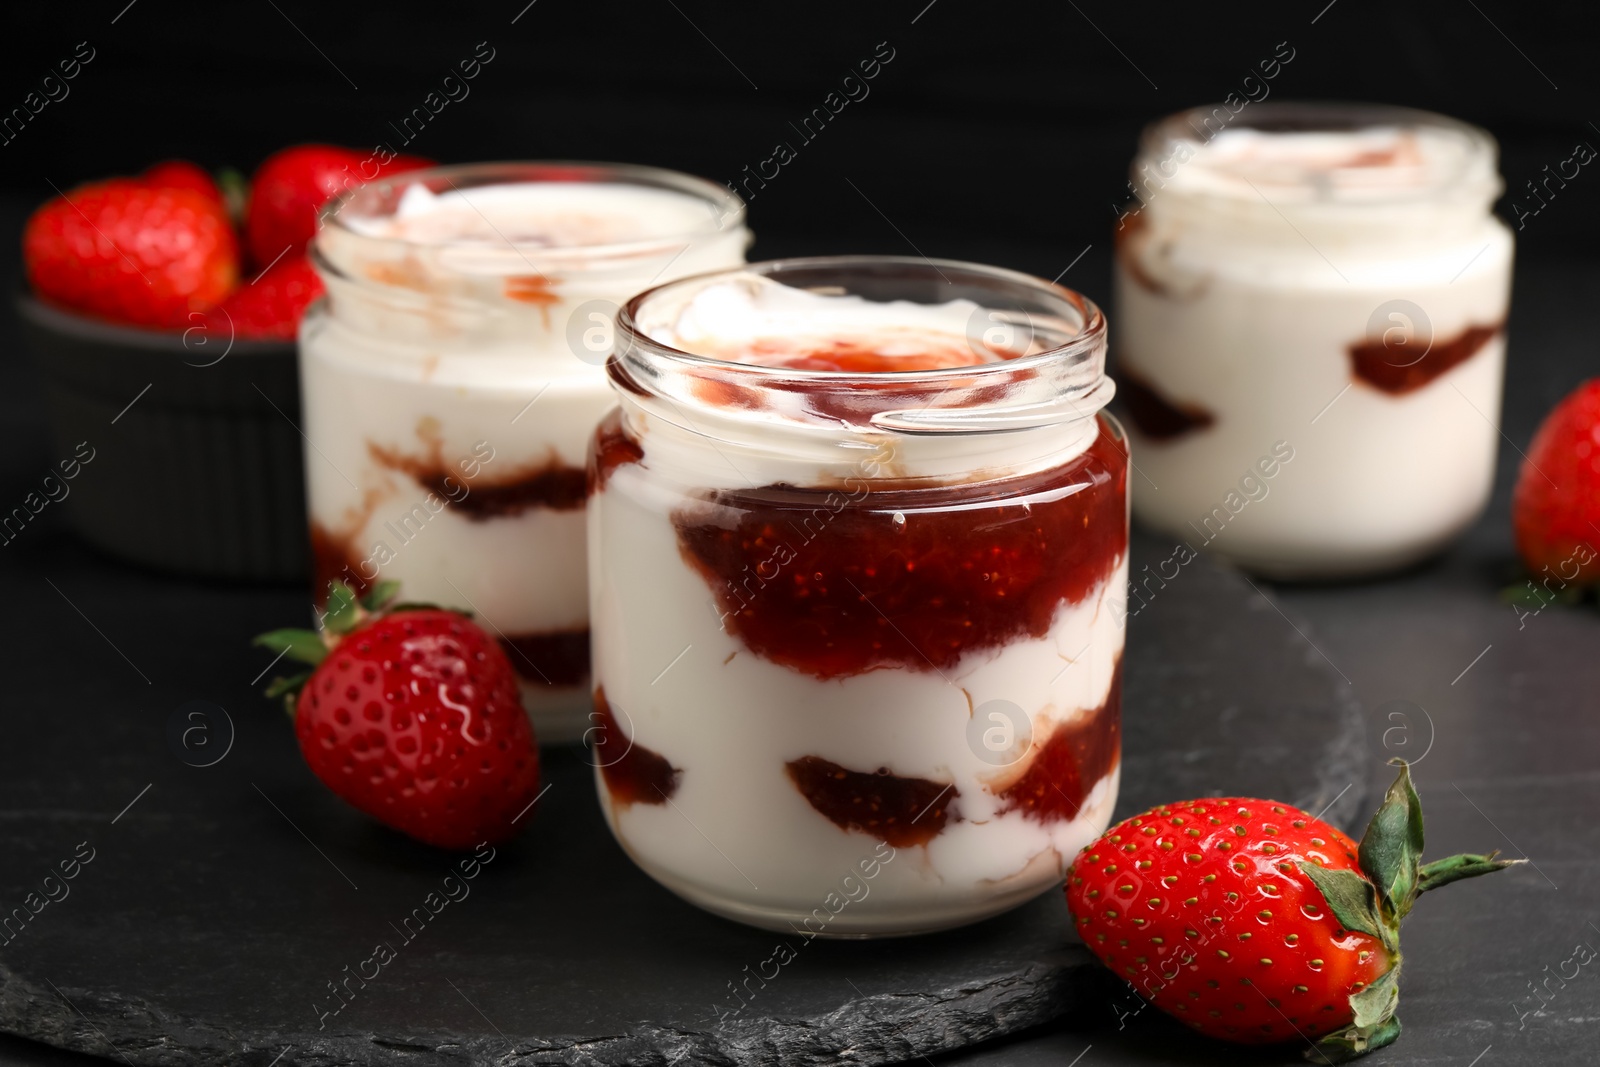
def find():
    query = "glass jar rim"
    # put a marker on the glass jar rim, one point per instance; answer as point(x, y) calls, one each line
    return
point(1063, 382)
point(1474, 172)
point(727, 209)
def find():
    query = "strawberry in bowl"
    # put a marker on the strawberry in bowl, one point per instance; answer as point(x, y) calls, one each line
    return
point(291, 187)
point(128, 251)
point(269, 307)
point(150, 323)
point(160, 250)
point(182, 174)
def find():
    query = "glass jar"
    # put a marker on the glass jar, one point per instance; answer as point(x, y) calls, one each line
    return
point(454, 374)
point(857, 554)
point(1311, 304)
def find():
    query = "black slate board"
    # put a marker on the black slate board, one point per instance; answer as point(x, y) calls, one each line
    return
point(222, 900)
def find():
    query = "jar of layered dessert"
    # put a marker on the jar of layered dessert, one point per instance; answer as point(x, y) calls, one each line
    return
point(857, 556)
point(455, 373)
point(1311, 305)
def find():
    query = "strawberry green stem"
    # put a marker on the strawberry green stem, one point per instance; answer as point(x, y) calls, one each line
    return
point(1375, 901)
point(344, 613)
point(1355, 1042)
point(1455, 868)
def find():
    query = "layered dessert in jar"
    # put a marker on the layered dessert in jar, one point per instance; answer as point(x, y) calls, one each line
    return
point(1311, 305)
point(857, 556)
point(455, 373)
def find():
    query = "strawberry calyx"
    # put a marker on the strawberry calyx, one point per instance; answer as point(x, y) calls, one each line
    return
point(1528, 599)
point(235, 189)
point(1375, 901)
point(344, 614)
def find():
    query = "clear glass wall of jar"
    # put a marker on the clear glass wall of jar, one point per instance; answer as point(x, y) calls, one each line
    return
point(858, 553)
point(454, 374)
point(1311, 305)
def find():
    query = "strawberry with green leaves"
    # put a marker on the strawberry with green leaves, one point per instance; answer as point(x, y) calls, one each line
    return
point(1254, 922)
point(411, 715)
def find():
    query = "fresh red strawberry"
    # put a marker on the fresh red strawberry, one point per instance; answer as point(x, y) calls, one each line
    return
point(1254, 922)
point(181, 174)
point(1556, 505)
point(412, 716)
point(291, 186)
point(270, 307)
point(132, 252)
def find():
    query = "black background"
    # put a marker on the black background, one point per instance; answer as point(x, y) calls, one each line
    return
point(999, 132)
point(996, 125)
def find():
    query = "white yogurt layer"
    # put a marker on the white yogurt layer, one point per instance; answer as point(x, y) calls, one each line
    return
point(489, 227)
point(1376, 162)
point(738, 836)
point(681, 686)
point(1241, 285)
point(480, 318)
point(748, 318)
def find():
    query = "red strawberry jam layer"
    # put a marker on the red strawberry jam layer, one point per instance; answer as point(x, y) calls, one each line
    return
point(857, 401)
point(866, 356)
point(1157, 417)
point(611, 448)
point(898, 811)
point(1127, 242)
point(544, 484)
point(1399, 368)
point(1052, 785)
point(834, 583)
point(633, 774)
point(1063, 771)
point(334, 559)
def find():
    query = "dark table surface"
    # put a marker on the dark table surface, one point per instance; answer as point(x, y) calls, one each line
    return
point(1500, 715)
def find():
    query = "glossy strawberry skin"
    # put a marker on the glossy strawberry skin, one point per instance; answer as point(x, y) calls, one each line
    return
point(414, 719)
point(132, 252)
point(1201, 908)
point(268, 307)
point(290, 187)
point(1555, 508)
